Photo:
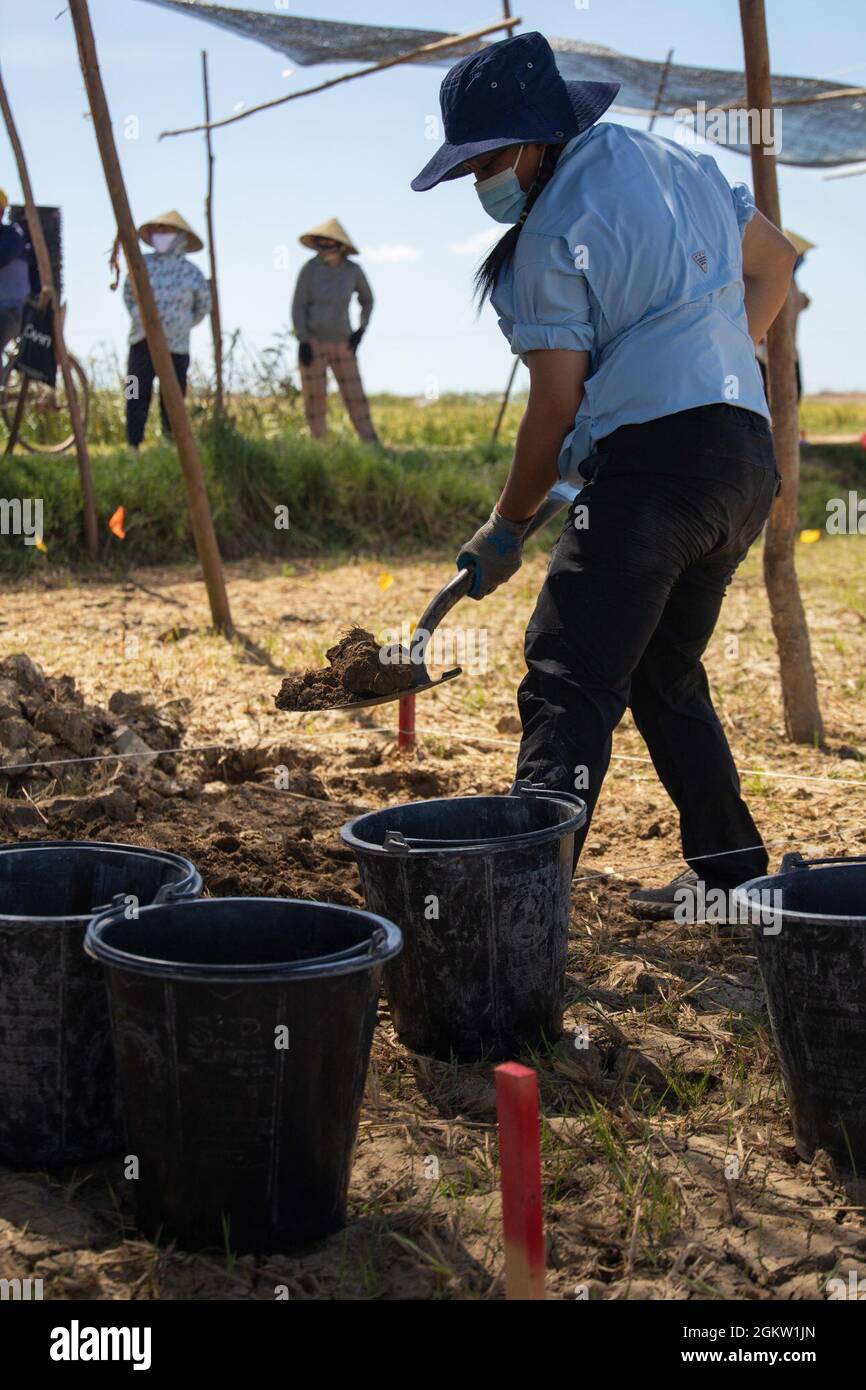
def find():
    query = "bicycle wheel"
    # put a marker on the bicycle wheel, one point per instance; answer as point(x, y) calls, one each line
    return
point(44, 427)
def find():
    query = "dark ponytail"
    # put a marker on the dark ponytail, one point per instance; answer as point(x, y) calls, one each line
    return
point(501, 255)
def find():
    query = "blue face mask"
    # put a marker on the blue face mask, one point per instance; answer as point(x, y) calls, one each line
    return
point(502, 197)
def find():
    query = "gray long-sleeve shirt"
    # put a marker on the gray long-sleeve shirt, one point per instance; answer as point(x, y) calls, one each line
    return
point(320, 308)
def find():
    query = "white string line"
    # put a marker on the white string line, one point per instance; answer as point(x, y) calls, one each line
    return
point(342, 807)
point(625, 757)
point(118, 757)
point(427, 733)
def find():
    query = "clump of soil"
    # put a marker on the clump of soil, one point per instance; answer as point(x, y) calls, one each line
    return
point(48, 731)
point(355, 672)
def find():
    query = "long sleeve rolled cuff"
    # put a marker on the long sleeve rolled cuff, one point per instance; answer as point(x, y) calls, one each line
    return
point(550, 307)
point(744, 205)
point(532, 337)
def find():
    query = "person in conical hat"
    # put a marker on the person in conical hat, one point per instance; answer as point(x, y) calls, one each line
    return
point(320, 315)
point(800, 244)
point(333, 234)
point(183, 299)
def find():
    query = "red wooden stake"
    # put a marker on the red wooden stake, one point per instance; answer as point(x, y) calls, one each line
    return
point(406, 722)
point(520, 1164)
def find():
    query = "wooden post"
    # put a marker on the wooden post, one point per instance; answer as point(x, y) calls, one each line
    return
point(406, 722)
point(19, 414)
point(520, 1176)
point(802, 714)
point(199, 507)
point(506, 14)
point(215, 317)
point(504, 403)
point(46, 276)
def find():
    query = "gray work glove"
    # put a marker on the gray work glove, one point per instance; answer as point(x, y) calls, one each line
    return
point(494, 553)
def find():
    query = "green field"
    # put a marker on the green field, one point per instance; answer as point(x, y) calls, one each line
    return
point(437, 475)
point(833, 414)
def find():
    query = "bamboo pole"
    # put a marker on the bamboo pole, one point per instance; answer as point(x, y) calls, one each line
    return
point(803, 721)
point(46, 276)
point(215, 316)
point(19, 414)
point(846, 174)
point(837, 94)
point(450, 42)
point(663, 82)
point(503, 405)
point(199, 507)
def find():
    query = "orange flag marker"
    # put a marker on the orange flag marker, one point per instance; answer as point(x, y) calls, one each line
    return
point(115, 523)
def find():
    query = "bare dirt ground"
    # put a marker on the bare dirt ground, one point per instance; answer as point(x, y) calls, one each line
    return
point(669, 1167)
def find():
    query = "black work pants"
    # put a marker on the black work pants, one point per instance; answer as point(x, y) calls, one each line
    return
point(140, 377)
point(630, 602)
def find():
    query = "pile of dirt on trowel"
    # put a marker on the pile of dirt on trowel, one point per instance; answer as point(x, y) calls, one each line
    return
point(355, 672)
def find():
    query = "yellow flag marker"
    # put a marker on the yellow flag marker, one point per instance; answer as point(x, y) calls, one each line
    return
point(40, 545)
point(810, 537)
point(385, 581)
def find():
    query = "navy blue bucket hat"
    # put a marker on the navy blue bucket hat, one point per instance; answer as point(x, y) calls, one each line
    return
point(511, 93)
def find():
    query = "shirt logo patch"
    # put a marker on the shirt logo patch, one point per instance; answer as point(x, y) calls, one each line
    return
point(700, 260)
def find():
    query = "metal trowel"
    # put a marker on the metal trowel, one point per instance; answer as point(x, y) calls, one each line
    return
point(561, 495)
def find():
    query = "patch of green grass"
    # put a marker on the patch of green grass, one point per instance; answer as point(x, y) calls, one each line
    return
point(828, 471)
point(648, 1194)
point(428, 488)
point(757, 785)
point(833, 414)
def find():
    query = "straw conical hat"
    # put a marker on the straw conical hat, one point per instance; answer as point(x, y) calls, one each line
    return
point(171, 219)
point(332, 229)
point(799, 243)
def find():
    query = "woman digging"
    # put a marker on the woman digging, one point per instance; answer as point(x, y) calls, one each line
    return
point(635, 283)
point(320, 315)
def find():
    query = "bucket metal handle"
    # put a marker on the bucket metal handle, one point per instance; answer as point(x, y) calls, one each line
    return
point(398, 843)
point(377, 939)
point(395, 842)
point(540, 790)
point(361, 948)
point(167, 893)
point(173, 892)
point(794, 860)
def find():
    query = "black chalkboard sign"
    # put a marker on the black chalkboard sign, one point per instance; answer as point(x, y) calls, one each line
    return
point(51, 226)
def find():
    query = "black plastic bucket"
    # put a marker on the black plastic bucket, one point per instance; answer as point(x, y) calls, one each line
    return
point(480, 887)
point(58, 1094)
point(809, 930)
point(242, 1028)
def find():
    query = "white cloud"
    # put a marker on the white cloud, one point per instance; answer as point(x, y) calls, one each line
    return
point(391, 253)
point(474, 245)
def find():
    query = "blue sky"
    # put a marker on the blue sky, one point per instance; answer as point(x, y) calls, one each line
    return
point(351, 152)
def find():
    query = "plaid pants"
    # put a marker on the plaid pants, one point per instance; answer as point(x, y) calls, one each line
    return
point(314, 383)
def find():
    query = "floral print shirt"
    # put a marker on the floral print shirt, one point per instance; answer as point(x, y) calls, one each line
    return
point(182, 297)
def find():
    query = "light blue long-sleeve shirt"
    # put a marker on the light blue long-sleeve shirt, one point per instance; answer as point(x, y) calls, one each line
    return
point(633, 253)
